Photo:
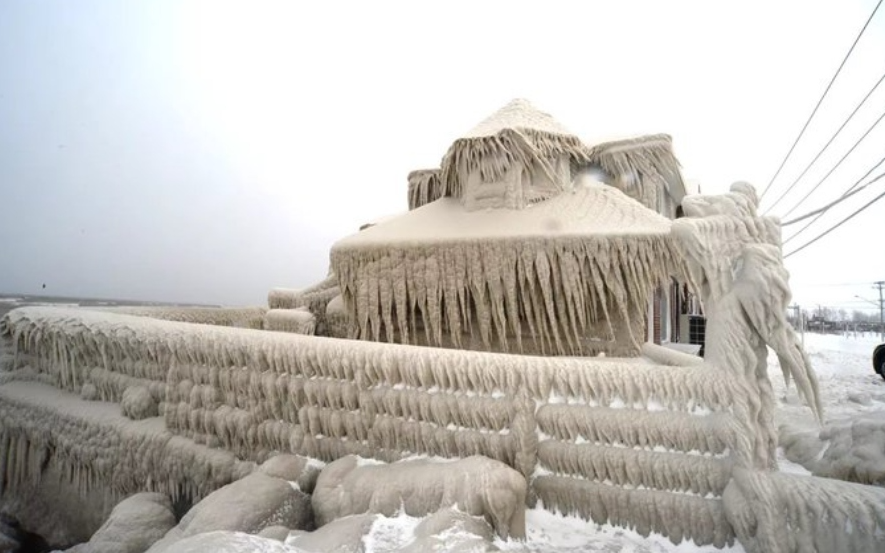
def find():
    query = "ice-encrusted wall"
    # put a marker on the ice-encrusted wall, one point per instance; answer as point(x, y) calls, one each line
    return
point(632, 442)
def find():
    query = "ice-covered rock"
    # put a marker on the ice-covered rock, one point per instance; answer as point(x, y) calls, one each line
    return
point(278, 533)
point(230, 542)
point(248, 505)
point(477, 485)
point(134, 525)
point(294, 468)
point(344, 535)
point(453, 531)
point(852, 450)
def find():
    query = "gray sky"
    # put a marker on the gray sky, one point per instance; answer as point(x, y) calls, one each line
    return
point(208, 151)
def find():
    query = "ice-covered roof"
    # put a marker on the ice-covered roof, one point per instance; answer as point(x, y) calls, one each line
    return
point(590, 211)
point(517, 135)
point(592, 250)
point(518, 114)
point(640, 165)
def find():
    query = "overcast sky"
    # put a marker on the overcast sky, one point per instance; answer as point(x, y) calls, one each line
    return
point(208, 151)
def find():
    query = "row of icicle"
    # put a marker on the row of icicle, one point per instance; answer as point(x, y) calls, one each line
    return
point(253, 393)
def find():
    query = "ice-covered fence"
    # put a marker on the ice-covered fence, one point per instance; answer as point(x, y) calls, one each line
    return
point(315, 298)
point(240, 317)
point(775, 512)
point(93, 447)
point(76, 346)
point(629, 442)
point(298, 321)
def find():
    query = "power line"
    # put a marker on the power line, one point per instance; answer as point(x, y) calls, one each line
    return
point(829, 142)
point(847, 194)
point(836, 166)
point(819, 102)
point(837, 225)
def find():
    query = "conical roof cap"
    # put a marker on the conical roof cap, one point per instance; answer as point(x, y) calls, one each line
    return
point(518, 114)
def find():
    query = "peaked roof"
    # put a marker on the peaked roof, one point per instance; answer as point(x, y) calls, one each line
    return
point(516, 135)
point(518, 114)
point(641, 164)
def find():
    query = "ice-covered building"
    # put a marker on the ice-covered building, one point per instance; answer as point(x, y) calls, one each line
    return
point(508, 247)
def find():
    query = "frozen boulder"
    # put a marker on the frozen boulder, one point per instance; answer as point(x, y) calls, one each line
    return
point(248, 505)
point(344, 535)
point(476, 485)
point(137, 403)
point(133, 526)
point(452, 531)
point(230, 542)
point(851, 450)
point(277, 533)
point(294, 468)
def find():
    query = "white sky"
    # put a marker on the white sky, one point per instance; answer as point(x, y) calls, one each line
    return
point(207, 151)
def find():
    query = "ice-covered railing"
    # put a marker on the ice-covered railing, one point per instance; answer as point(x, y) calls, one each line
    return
point(315, 298)
point(630, 442)
point(775, 512)
point(74, 347)
point(93, 447)
point(240, 317)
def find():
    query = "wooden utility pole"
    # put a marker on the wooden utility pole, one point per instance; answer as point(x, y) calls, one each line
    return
point(880, 285)
point(799, 322)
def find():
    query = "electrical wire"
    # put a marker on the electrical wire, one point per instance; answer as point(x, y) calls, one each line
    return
point(836, 166)
point(837, 225)
point(819, 102)
point(848, 193)
point(829, 142)
point(825, 208)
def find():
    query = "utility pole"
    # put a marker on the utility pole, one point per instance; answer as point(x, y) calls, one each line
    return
point(798, 318)
point(880, 285)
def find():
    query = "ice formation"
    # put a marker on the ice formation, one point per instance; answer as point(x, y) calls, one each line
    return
point(424, 187)
point(517, 139)
point(475, 485)
point(573, 279)
point(505, 250)
point(509, 248)
point(641, 167)
point(242, 317)
point(774, 512)
point(558, 421)
point(315, 298)
point(299, 321)
point(735, 260)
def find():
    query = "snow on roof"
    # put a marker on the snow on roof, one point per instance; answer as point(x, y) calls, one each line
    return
point(516, 135)
point(589, 251)
point(640, 165)
point(518, 114)
point(592, 210)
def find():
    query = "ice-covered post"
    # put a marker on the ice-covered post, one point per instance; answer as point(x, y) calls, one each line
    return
point(735, 259)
